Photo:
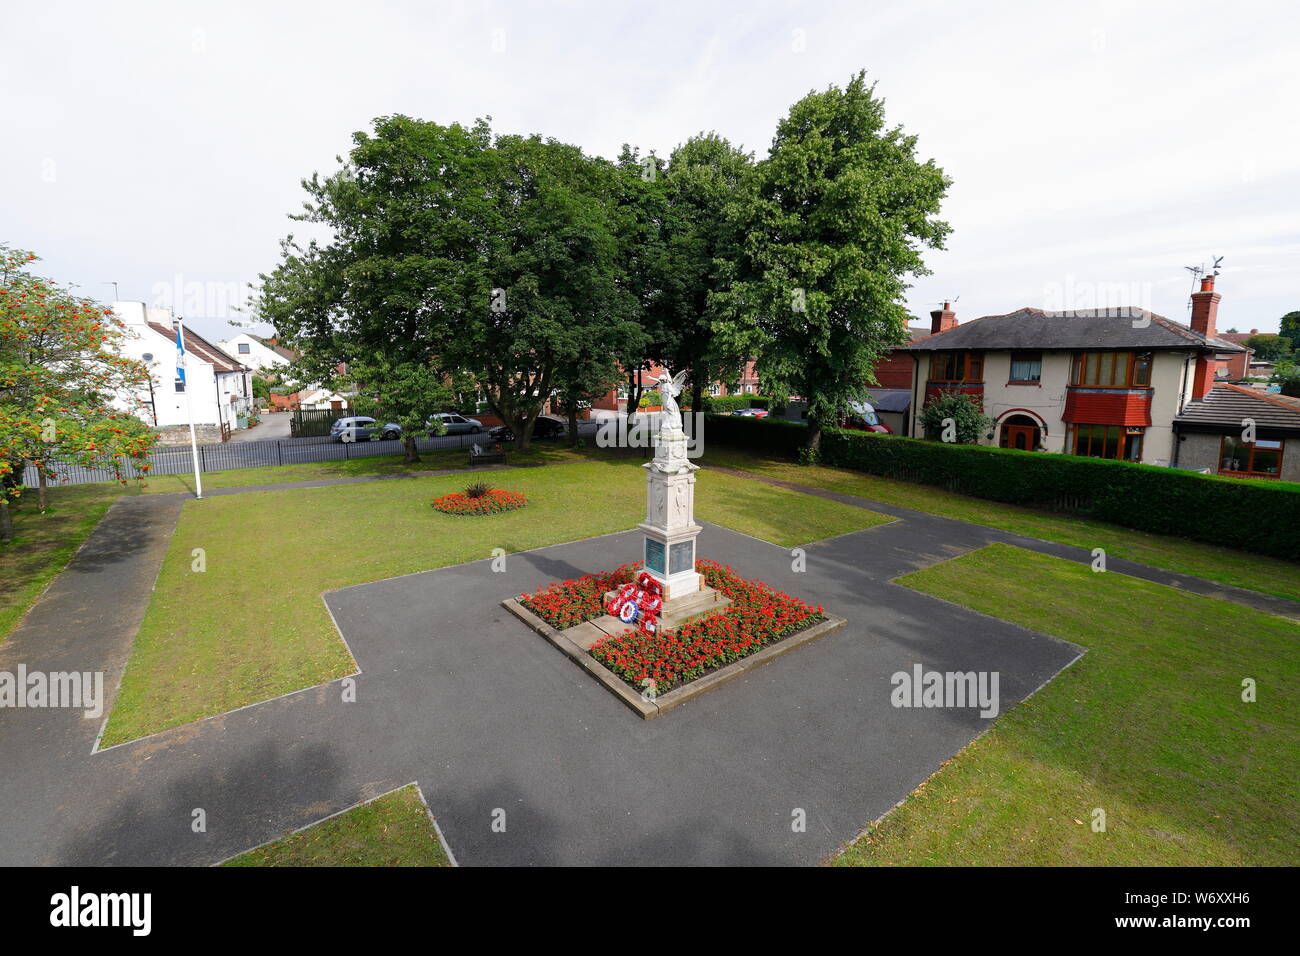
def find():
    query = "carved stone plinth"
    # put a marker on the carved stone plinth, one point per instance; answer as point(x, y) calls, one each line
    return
point(669, 526)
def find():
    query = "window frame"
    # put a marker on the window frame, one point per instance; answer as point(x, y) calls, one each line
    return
point(1133, 361)
point(1021, 357)
point(971, 367)
point(1251, 448)
point(1129, 440)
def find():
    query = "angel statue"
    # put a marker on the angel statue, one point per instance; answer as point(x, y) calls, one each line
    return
point(669, 388)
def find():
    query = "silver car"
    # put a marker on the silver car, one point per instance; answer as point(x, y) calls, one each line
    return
point(362, 428)
point(456, 424)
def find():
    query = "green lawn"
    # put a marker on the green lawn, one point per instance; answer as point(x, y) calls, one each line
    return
point(1256, 572)
point(1149, 726)
point(44, 543)
point(392, 830)
point(442, 460)
point(253, 625)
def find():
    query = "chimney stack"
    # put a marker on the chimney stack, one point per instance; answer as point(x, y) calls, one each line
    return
point(1205, 308)
point(941, 320)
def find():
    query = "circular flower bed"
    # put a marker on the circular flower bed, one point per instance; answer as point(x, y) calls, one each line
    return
point(489, 502)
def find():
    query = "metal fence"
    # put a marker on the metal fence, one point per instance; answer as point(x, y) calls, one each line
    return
point(177, 460)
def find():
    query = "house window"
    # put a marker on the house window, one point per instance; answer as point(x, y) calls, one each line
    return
point(1026, 367)
point(1120, 442)
point(957, 367)
point(1112, 369)
point(243, 348)
point(1259, 459)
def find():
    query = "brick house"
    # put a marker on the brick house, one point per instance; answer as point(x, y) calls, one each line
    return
point(1104, 383)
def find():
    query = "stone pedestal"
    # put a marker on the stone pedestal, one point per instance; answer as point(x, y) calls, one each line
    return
point(669, 526)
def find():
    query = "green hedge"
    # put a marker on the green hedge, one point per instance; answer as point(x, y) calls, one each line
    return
point(722, 404)
point(776, 436)
point(1250, 514)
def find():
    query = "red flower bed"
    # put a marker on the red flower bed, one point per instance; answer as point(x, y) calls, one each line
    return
point(566, 603)
point(758, 616)
point(490, 503)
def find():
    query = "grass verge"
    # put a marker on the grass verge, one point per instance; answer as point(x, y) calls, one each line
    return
point(43, 544)
point(253, 626)
point(1149, 726)
point(392, 830)
point(1229, 566)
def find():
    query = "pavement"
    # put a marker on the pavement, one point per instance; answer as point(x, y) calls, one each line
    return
point(271, 427)
point(456, 694)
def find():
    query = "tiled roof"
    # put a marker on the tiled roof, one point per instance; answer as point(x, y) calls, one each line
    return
point(1228, 404)
point(1081, 329)
point(201, 348)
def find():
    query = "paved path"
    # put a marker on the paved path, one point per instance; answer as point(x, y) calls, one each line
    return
point(458, 695)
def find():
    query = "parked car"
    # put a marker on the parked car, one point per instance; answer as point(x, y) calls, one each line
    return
point(361, 428)
point(456, 424)
point(750, 413)
point(546, 426)
point(863, 418)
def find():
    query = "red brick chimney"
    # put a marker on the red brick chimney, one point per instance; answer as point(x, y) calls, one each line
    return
point(1205, 308)
point(941, 320)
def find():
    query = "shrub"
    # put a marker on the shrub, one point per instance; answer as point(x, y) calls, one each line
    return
point(969, 421)
point(477, 489)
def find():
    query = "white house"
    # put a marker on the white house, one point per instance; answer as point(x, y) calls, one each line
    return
point(318, 398)
point(220, 387)
point(259, 354)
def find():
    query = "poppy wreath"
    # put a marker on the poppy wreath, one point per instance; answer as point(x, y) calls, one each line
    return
point(639, 603)
point(492, 502)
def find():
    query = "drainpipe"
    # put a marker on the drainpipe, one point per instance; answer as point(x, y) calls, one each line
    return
point(912, 409)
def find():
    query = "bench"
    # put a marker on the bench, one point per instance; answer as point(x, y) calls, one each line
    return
point(494, 457)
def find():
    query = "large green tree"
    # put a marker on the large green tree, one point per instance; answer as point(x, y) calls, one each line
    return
point(492, 259)
point(1269, 347)
point(832, 224)
point(1290, 329)
point(700, 181)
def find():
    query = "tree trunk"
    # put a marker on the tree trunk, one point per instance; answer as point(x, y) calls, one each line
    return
point(42, 497)
point(633, 396)
point(6, 520)
point(697, 396)
point(412, 452)
point(573, 423)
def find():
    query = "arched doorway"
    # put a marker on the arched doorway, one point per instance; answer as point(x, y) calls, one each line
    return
point(1020, 431)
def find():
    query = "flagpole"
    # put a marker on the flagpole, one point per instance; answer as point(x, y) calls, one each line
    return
point(189, 406)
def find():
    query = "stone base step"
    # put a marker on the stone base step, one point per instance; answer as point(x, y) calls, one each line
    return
point(676, 611)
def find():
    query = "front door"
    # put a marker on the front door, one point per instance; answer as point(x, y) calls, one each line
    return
point(1024, 437)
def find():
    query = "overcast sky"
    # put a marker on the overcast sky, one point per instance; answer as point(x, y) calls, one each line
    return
point(1095, 152)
